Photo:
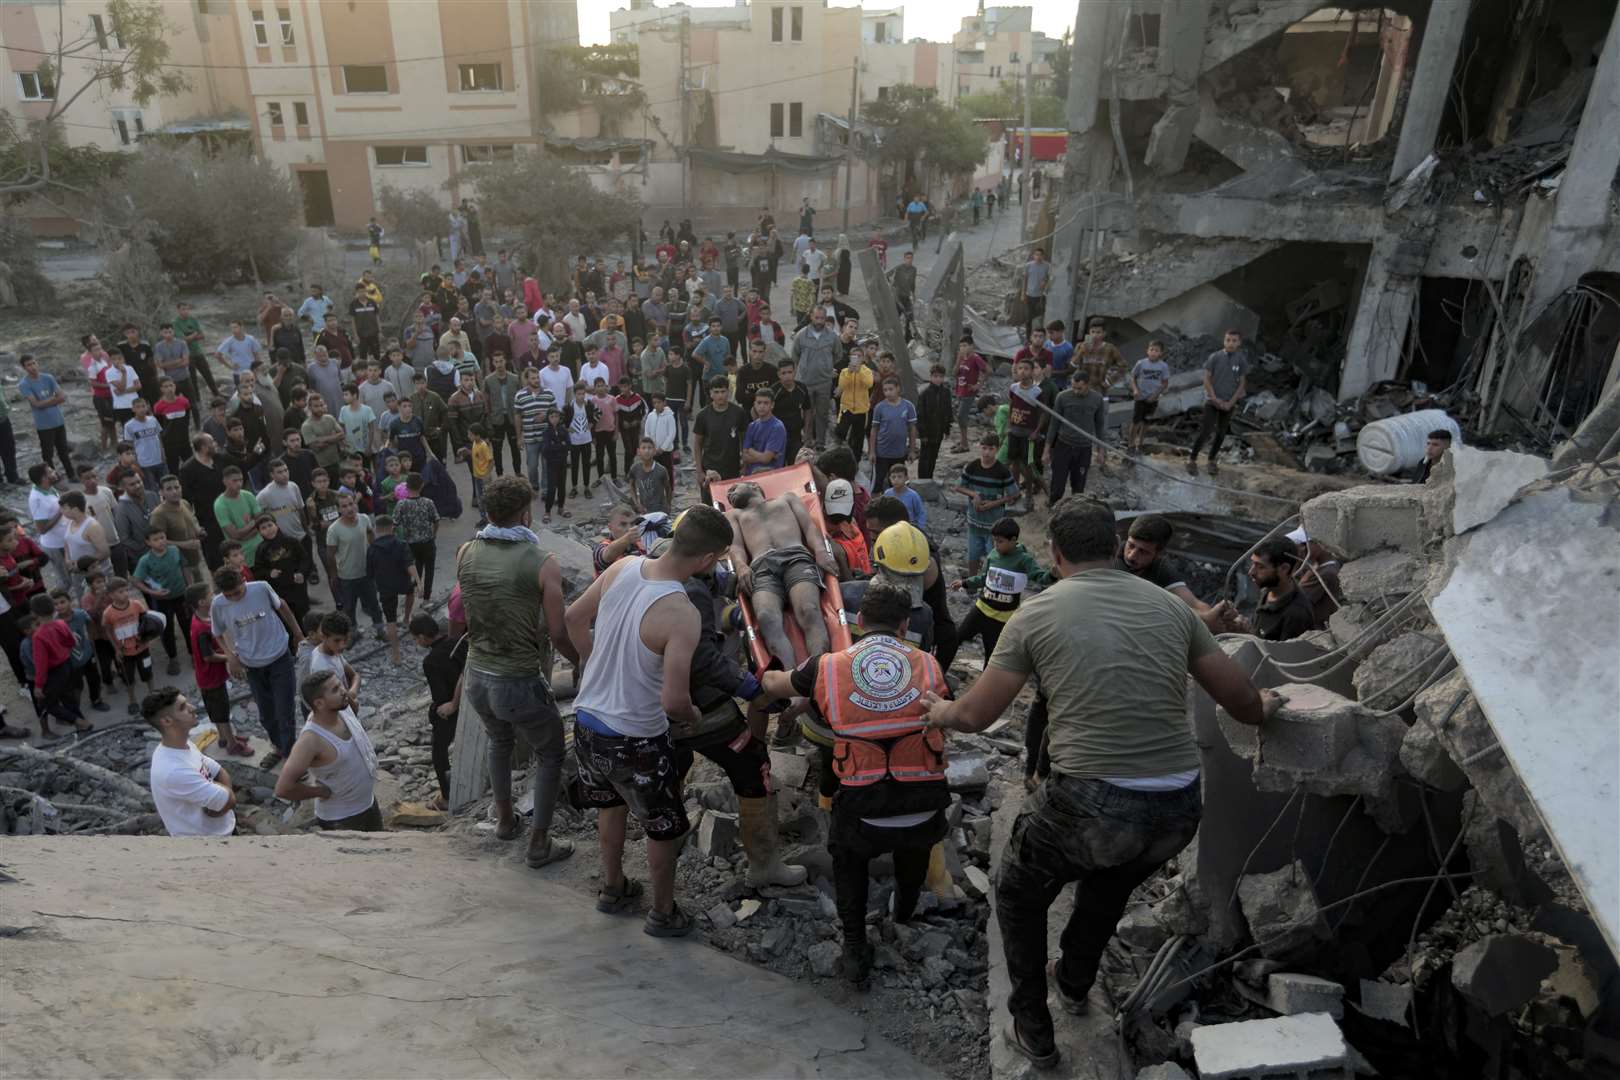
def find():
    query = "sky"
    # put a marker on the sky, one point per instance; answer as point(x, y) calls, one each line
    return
point(934, 20)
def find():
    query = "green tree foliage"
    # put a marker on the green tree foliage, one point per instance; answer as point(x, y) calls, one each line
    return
point(132, 285)
point(413, 214)
point(1006, 102)
point(603, 76)
point(556, 209)
point(130, 57)
point(921, 131)
point(222, 217)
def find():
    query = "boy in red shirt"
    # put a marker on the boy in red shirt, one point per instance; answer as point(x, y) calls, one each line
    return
point(970, 369)
point(56, 689)
point(122, 619)
point(208, 663)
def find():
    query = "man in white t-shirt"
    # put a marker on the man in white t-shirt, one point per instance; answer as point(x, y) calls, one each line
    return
point(193, 793)
point(45, 510)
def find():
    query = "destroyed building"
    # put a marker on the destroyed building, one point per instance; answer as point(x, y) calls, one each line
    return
point(1421, 192)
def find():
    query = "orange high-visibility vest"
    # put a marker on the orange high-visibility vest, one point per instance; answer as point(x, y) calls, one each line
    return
point(853, 541)
point(871, 696)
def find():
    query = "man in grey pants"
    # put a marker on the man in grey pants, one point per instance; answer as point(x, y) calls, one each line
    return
point(813, 355)
point(1068, 451)
point(513, 595)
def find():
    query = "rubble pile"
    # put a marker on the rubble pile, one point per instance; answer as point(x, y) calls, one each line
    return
point(1374, 857)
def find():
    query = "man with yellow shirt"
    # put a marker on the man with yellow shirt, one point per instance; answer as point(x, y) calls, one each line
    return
point(854, 402)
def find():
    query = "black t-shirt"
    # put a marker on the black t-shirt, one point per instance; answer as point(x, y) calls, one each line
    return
point(749, 381)
point(364, 313)
point(1285, 619)
point(389, 561)
point(791, 407)
point(443, 665)
point(1157, 572)
point(722, 438)
point(677, 381)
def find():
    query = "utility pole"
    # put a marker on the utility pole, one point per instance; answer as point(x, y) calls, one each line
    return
point(1024, 193)
point(686, 54)
point(849, 147)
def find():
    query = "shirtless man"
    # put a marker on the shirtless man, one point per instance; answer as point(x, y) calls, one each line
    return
point(780, 554)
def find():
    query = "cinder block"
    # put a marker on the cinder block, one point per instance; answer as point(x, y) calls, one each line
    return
point(1313, 730)
point(1292, 993)
point(1284, 1046)
point(1361, 520)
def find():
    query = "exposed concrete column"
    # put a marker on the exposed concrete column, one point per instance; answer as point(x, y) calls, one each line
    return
point(1182, 28)
point(1582, 211)
point(1378, 334)
point(1088, 165)
point(1431, 84)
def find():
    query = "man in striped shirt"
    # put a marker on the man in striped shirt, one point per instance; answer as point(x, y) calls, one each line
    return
point(989, 487)
point(531, 405)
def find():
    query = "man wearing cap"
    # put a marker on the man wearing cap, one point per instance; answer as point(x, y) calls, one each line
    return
point(780, 554)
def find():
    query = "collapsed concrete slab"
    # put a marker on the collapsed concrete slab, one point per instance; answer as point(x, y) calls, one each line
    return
point(1483, 483)
point(1397, 669)
point(1448, 714)
point(1385, 576)
point(1502, 972)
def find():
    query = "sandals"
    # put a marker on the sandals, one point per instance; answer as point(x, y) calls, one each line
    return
point(611, 901)
point(1019, 1046)
point(239, 747)
point(676, 924)
point(556, 851)
point(270, 760)
point(509, 834)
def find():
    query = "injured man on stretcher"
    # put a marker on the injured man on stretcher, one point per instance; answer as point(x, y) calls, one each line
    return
point(780, 555)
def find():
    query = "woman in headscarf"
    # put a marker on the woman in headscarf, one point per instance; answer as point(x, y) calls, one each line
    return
point(533, 299)
point(844, 260)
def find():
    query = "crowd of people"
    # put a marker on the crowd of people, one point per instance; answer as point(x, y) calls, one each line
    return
point(329, 444)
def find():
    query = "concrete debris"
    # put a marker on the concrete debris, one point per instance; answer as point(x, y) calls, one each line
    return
point(1502, 972)
point(1291, 993)
point(1385, 576)
point(416, 816)
point(1321, 742)
point(1497, 856)
point(1167, 1071)
point(1361, 520)
point(746, 909)
point(1282, 911)
point(717, 835)
point(721, 917)
point(1397, 669)
point(1140, 929)
point(1285, 1046)
point(1386, 1001)
point(1483, 483)
point(825, 958)
point(788, 770)
point(1452, 715)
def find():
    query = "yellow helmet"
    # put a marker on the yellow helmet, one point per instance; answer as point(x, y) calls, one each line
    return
point(901, 548)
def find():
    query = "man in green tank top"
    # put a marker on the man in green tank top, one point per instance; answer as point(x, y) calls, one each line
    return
point(513, 595)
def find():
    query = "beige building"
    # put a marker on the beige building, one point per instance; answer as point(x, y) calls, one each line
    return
point(993, 47)
point(347, 95)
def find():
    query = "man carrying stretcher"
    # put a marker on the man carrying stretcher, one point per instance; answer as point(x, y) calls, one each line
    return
point(780, 555)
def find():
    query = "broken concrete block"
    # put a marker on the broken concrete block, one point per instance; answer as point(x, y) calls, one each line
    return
point(1484, 482)
point(1395, 670)
point(721, 917)
point(788, 770)
point(1502, 972)
point(1450, 709)
point(1385, 575)
point(1183, 910)
point(1347, 623)
point(746, 909)
point(1282, 911)
point(978, 882)
point(1425, 757)
point(717, 835)
point(1291, 993)
point(967, 772)
point(1497, 857)
point(1321, 742)
point(1167, 1071)
point(415, 816)
point(1361, 520)
point(1386, 1001)
point(1140, 929)
point(1572, 981)
point(1285, 1046)
point(825, 958)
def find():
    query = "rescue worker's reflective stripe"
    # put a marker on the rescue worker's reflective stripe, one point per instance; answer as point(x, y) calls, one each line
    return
point(871, 695)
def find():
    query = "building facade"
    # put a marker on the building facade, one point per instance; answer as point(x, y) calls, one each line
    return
point(992, 47)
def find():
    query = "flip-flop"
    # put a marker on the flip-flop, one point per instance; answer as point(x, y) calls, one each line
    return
point(556, 851)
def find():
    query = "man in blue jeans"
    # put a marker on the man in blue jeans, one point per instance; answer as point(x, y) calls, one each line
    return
point(513, 596)
point(1122, 797)
point(258, 635)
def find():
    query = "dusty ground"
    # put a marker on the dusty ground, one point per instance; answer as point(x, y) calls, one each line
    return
point(374, 956)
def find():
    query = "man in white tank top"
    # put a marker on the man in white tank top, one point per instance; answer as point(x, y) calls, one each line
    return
point(337, 754)
point(635, 673)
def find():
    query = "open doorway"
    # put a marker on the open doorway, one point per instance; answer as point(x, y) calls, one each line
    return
point(317, 191)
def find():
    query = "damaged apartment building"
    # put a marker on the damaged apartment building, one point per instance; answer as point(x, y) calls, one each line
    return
point(1419, 192)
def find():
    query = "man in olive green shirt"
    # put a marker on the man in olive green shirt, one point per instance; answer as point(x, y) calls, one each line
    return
point(1123, 794)
point(322, 434)
point(189, 330)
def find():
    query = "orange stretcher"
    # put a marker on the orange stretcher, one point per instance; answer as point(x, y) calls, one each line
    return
point(800, 481)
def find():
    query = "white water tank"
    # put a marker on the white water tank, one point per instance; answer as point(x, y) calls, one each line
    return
point(1385, 447)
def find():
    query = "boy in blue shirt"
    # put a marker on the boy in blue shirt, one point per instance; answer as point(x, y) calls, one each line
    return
point(898, 477)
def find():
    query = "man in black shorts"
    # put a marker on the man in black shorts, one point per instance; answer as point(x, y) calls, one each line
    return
point(781, 556)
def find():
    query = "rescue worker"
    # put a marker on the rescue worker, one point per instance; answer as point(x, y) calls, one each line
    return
point(890, 766)
point(721, 734)
point(900, 557)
